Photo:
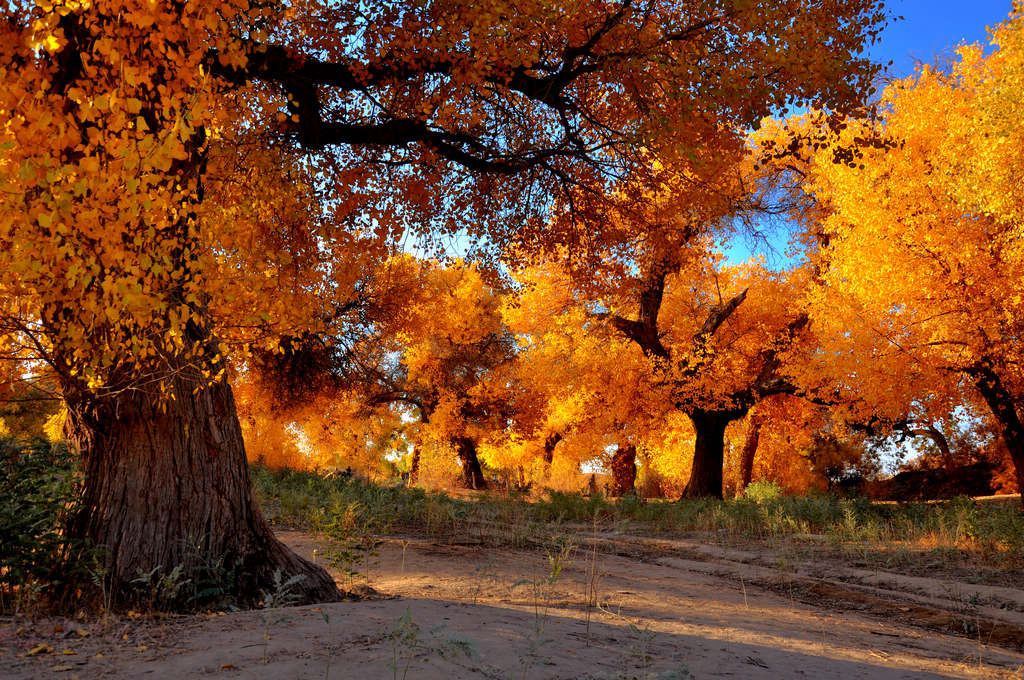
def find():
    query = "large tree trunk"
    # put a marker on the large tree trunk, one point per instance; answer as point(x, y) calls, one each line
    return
point(414, 467)
point(749, 451)
point(167, 484)
point(1005, 410)
point(933, 433)
point(166, 479)
point(550, 442)
point(940, 441)
point(624, 470)
point(472, 473)
point(708, 453)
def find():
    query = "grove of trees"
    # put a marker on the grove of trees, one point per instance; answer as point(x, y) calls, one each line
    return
point(258, 201)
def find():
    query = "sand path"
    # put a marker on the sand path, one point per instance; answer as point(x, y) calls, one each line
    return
point(664, 609)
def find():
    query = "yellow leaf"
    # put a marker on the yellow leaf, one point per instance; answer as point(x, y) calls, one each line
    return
point(90, 164)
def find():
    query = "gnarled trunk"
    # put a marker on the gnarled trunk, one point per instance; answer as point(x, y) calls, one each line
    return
point(414, 466)
point(167, 484)
point(624, 470)
point(550, 442)
point(472, 473)
point(708, 453)
point(1005, 410)
point(748, 453)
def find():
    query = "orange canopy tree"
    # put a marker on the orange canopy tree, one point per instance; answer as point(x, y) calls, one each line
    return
point(681, 331)
point(581, 390)
point(447, 352)
point(923, 288)
point(717, 336)
point(125, 126)
point(719, 340)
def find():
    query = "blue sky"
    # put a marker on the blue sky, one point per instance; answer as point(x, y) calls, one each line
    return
point(929, 29)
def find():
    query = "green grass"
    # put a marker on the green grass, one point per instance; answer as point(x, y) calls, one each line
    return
point(958, 531)
point(39, 486)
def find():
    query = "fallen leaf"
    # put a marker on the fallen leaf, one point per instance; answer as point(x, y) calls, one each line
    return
point(227, 666)
point(41, 648)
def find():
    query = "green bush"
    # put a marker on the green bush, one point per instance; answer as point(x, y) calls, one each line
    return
point(38, 484)
point(563, 506)
point(762, 491)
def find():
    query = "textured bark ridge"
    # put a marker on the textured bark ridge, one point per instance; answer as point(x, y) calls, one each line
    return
point(624, 470)
point(749, 452)
point(472, 473)
point(168, 486)
point(708, 454)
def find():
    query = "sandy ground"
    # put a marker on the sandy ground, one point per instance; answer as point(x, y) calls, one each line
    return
point(656, 609)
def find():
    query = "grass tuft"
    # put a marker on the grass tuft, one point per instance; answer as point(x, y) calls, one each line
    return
point(960, 532)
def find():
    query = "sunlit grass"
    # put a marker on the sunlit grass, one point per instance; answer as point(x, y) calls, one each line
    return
point(957, 534)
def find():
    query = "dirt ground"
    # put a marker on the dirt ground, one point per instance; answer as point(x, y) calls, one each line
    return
point(636, 608)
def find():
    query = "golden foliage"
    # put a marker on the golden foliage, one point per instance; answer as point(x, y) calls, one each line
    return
point(921, 295)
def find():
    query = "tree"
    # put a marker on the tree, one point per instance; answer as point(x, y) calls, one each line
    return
point(698, 336)
point(583, 393)
point(330, 431)
point(126, 123)
point(721, 349)
point(452, 349)
point(924, 242)
point(421, 340)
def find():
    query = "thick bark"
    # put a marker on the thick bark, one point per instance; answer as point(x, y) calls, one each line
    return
point(624, 470)
point(749, 451)
point(166, 480)
point(472, 473)
point(708, 453)
point(907, 429)
point(1005, 410)
point(167, 484)
point(549, 447)
point(939, 440)
point(414, 467)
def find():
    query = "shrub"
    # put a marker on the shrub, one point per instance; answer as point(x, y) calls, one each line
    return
point(763, 491)
point(993, 532)
point(38, 563)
